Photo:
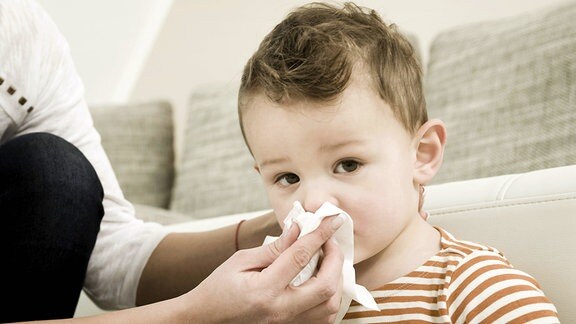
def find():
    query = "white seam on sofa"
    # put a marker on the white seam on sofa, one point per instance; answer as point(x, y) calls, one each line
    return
point(456, 211)
point(506, 185)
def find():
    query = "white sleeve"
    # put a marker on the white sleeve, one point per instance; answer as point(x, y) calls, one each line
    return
point(35, 60)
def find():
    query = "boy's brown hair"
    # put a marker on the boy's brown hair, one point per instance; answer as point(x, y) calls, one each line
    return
point(311, 55)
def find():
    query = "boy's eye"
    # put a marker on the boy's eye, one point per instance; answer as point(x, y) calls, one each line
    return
point(347, 166)
point(287, 179)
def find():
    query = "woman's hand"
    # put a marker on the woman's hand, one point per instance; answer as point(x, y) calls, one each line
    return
point(254, 284)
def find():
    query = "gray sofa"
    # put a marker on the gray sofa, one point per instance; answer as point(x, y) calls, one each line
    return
point(507, 92)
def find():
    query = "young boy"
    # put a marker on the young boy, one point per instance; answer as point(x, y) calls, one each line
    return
point(332, 110)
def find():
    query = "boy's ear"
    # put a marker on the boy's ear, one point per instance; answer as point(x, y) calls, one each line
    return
point(430, 140)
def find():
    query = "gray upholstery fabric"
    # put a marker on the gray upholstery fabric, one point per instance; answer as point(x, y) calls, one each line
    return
point(216, 175)
point(507, 92)
point(138, 139)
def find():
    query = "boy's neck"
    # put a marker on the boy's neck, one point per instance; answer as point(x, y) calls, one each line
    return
point(412, 248)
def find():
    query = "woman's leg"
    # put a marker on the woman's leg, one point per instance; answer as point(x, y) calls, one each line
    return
point(50, 213)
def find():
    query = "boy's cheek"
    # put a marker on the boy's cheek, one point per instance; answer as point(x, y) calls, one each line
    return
point(281, 214)
point(280, 218)
point(281, 223)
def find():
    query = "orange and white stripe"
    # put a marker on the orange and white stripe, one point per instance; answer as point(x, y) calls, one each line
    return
point(464, 283)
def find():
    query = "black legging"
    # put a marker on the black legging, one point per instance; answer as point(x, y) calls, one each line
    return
point(50, 213)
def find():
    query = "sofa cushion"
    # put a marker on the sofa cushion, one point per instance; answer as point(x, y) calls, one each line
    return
point(138, 139)
point(507, 92)
point(216, 174)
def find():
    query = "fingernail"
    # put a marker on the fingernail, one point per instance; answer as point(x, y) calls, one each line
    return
point(337, 221)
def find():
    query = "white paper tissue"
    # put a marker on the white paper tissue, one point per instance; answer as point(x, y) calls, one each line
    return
point(308, 222)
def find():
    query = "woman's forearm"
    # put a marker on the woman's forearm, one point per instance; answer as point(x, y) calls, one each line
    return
point(182, 260)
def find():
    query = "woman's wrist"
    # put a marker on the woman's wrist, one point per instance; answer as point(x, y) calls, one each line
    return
point(189, 308)
point(236, 235)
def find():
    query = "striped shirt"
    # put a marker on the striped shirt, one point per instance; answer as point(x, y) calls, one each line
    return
point(463, 283)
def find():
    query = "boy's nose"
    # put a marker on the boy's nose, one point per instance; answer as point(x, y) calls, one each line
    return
point(315, 196)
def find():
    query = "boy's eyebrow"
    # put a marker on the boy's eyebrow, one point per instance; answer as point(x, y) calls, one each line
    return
point(335, 146)
point(323, 148)
point(274, 161)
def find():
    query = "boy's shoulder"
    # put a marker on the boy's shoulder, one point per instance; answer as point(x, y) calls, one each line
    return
point(461, 256)
point(461, 250)
point(479, 283)
point(467, 266)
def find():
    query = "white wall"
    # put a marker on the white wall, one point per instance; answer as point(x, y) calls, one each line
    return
point(209, 41)
point(109, 40)
point(149, 49)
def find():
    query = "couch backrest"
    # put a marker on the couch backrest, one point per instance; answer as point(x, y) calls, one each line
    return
point(507, 92)
point(139, 141)
point(216, 174)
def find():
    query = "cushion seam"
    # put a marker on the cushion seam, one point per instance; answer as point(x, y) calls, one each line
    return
point(463, 210)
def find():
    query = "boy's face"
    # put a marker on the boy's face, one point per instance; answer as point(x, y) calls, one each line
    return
point(351, 152)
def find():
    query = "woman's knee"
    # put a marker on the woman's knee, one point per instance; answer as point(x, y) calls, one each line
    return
point(50, 159)
point(45, 174)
